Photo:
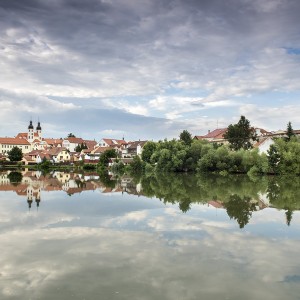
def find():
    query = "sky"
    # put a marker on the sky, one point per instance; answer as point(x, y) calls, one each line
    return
point(148, 69)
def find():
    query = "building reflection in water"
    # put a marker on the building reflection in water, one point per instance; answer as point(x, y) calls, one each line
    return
point(238, 195)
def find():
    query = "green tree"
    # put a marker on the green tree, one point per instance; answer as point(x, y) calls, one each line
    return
point(80, 147)
point(15, 154)
point(186, 137)
point(289, 216)
point(289, 131)
point(15, 178)
point(105, 156)
point(289, 153)
point(240, 135)
point(240, 209)
point(136, 165)
point(71, 135)
point(148, 150)
point(273, 158)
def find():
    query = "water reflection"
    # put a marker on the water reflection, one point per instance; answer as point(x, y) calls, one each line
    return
point(238, 195)
point(110, 237)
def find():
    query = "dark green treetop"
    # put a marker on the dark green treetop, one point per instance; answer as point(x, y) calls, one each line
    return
point(15, 154)
point(186, 137)
point(148, 150)
point(289, 131)
point(240, 135)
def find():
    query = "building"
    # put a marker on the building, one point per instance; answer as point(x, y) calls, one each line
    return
point(6, 144)
point(134, 148)
point(215, 136)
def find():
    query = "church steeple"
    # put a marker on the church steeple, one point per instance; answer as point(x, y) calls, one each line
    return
point(39, 129)
point(30, 125)
point(30, 135)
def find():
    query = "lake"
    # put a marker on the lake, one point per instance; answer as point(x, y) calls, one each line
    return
point(85, 236)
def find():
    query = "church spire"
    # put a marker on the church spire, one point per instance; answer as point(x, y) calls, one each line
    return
point(38, 127)
point(30, 125)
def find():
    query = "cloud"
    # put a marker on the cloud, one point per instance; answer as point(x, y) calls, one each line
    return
point(122, 53)
point(273, 118)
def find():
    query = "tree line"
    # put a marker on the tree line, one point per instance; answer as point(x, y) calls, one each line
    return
point(236, 156)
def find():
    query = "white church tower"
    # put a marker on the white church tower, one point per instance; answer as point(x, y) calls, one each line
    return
point(30, 135)
point(39, 130)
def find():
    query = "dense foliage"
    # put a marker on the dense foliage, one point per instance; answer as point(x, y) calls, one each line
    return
point(15, 178)
point(186, 137)
point(15, 154)
point(174, 155)
point(240, 135)
point(105, 156)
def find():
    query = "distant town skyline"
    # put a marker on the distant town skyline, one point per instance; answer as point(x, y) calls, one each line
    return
point(148, 69)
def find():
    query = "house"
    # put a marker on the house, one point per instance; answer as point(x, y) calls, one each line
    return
point(34, 154)
point(215, 136)
point(91, 144)
point(44, 156)
point(113, 143)
point(71, 143)
point(263, 145)
point(51, 143)
point(27, 160)
point(260, 132)
point(59, 155)
point(134, 148)
point(94, 154)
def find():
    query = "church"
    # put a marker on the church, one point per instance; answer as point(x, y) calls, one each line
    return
point(26, 141)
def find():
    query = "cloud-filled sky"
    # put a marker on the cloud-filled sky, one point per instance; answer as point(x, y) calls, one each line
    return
point(148, 69)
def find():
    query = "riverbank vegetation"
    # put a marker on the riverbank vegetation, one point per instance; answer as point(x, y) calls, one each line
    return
point(236, 156)
point(201, 156)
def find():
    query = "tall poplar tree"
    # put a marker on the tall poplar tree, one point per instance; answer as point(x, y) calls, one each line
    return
point(289, 131)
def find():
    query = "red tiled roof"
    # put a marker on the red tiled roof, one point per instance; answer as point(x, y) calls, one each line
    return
point(114, 142)
point(75, 140)
point(22, 135)
point(133, 145)
point(216, 134)
point(100, 150)
point(56, 151)
point(14, 141)
point(53, 141)
point(34, 152)
point(90, 144)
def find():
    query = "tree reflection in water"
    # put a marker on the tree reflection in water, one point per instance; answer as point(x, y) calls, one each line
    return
point(240, 196)
point(240, 209)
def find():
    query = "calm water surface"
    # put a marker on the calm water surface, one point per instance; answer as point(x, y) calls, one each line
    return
point(78, 236)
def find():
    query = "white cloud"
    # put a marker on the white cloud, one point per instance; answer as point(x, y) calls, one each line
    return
point(272, 118)
point(163, 51)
